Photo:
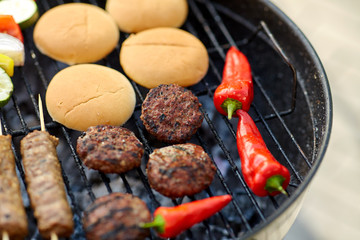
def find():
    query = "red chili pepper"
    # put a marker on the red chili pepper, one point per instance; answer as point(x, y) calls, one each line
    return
point(236, 90)
point(171, 221)
point(9, 26)
point(262, 172)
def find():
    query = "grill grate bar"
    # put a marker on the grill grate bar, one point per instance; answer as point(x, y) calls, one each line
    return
point(79, 165)
point(206, 28)
point(147, 147)
point(226, 187)
point(220, 24)
point(106, 181)
point(126, 183)
point(278, 144)
point(283, 124)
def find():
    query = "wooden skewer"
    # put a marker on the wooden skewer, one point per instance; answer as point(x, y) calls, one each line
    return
point(42, 123)
point(54, 236)
point(5, 236)
point(42, 126)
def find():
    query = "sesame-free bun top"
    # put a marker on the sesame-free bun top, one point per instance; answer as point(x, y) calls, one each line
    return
point(87, 95)
point(164, 56)
point(76, 33)
point(138, 15)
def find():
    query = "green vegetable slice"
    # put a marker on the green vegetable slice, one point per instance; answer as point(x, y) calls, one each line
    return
point(25, 12)
point(6, 88)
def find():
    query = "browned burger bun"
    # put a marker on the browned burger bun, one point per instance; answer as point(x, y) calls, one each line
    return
point(87, 95)
point(138, 15)
point(164, 56)
point(180, 170)
point(76, 33)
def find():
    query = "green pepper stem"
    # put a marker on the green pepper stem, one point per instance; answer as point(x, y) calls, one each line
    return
point(158, 223)
point(274, 183)
point(230, 105)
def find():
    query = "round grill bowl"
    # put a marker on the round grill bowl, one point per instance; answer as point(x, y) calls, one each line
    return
point(292, 108)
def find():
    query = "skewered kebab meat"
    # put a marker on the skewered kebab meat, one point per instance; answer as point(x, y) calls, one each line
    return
point(45, 184)
point(180, 170)
point(110, 149)
point(116, 216)
point(13, 219)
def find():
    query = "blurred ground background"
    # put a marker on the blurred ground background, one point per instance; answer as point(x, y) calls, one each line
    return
point(331, 209)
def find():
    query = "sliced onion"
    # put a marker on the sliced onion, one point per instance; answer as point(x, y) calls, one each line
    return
point(12, 47)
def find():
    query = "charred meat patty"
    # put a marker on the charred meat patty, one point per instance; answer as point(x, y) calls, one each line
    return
point(171, 113)
point(180, 170)
point(110, 149)
point(116, 216)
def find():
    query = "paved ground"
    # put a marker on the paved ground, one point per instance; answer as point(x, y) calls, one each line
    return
point(332, 206)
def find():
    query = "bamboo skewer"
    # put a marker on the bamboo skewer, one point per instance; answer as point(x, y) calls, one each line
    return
point(41, 112)
point(54, 236)
point(42, 128)
point(5, 235)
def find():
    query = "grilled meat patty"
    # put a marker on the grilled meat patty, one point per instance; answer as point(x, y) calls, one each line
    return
point(45, 184)
point(13, 219)
point(110, 149)
point(116, 216)
point(180, 170)
point(171, 113)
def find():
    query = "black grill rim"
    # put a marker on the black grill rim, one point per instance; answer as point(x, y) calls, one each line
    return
point(213, 8)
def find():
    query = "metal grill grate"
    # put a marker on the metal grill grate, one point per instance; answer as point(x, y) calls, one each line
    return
point(273, 105)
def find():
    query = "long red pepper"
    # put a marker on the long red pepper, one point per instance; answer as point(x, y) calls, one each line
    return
point(236, 90)
point(262, 172)
point(171, 221)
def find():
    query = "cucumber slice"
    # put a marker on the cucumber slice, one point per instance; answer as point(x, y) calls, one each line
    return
point(7, 63)
point(6, 88)
point(25, 12)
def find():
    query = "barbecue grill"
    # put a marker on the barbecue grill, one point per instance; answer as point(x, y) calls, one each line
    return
point(292, 109)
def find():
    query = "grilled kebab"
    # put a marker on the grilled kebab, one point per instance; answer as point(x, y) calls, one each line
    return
point(45, 184)
point(13, 219)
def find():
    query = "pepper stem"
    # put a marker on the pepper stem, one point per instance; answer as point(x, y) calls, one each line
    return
point(230, 105)
point(274, 183)
point(158, 223)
